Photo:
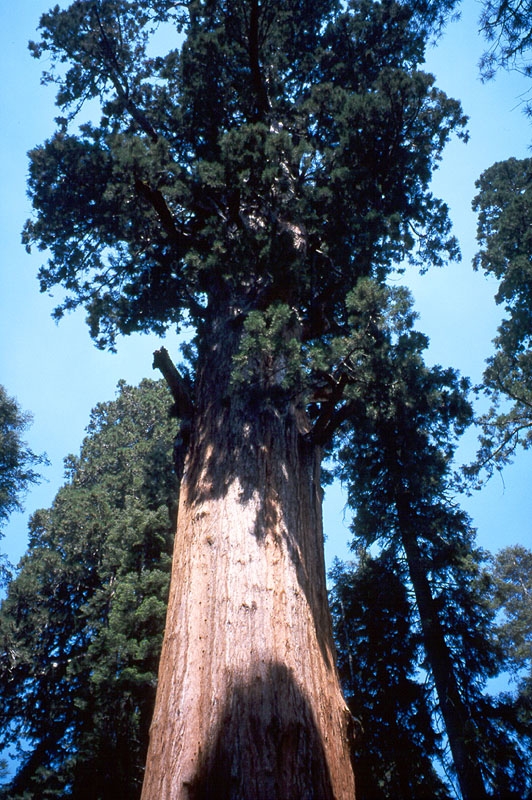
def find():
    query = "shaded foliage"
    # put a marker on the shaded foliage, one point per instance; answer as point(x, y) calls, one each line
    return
point(17, 460)
point(503, 207)
point(511, 592)
point(378, 656)
point(506, 25)
point(512, 575)
point(81, 626)
point(396, 454)
point(17, 465)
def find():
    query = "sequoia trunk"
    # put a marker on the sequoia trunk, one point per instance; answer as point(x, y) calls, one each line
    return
point(248, 703)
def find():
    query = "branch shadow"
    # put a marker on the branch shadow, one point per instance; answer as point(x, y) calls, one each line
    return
point(247, 434)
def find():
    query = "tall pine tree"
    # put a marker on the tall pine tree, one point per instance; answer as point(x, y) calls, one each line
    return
point(378, 657)
point(396, 459)
point(81, 626)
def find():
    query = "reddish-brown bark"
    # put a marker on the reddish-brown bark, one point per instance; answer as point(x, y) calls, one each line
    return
point(248, 704)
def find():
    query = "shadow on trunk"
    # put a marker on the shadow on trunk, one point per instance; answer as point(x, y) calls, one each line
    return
point(266, 735)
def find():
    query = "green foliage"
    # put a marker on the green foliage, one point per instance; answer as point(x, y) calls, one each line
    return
point(17, 462)
point(512, 577)
point(396, 459)
point(511, 591)
point(265, 340)
point(378, 655)
point(510, 588)
point(81, 626)
point(503, 204)
point(506, 26)
point(275, 154)
point(16, 458)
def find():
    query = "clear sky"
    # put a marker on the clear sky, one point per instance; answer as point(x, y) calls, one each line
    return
point(57, 374)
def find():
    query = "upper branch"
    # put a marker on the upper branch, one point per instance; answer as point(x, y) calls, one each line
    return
point(156, 200)
point(176, 383)
point(263, 103)
point(120, 83)
point(330, 417)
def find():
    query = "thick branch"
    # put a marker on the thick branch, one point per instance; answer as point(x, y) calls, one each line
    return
point(140, 118)
point(326, 423)
point(156, 200)
point(263, 103)
point(176, 383)
point(348, 410)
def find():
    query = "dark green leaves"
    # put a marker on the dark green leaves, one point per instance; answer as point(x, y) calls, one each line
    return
point(275, 152)
point(506, 26)
point(504, 204)
point(378, 651)
point(512, 590)
point(81, 626)
point(104, 45)
point(17, 461)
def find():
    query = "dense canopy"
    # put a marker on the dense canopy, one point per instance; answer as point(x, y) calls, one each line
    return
point(272, 152)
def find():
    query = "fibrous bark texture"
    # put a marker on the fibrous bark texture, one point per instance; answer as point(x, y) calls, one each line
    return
point(248, 704)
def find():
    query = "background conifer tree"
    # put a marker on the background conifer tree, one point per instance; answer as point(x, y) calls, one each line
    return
point(511, 590)
point(503, 233)
point(17, 461)
point(379, 647)
point(396, 452)
point(81, 625)
point(17, 465)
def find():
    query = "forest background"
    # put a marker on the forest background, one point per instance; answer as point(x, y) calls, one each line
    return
point(56, 373)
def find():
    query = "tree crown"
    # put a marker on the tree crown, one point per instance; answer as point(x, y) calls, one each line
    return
point(276, 152)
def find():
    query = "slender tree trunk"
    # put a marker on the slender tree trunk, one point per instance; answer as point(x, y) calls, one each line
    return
point(248, 703)
point(459, 726)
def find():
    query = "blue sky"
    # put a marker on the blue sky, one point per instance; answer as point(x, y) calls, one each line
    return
point(56, 373)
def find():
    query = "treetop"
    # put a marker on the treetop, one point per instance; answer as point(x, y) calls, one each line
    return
point(234, 155)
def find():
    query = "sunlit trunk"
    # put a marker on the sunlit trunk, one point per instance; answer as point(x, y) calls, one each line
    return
point(248, 703)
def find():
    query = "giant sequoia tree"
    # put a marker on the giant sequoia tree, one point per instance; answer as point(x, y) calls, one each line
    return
point(243, 180)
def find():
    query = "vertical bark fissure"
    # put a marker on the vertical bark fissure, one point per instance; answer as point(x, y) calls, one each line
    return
point(249, 705)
